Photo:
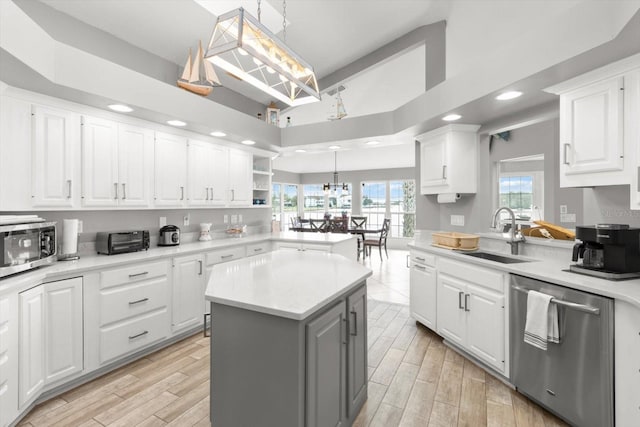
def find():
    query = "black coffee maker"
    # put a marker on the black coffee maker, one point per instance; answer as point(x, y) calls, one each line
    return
point(610, 251)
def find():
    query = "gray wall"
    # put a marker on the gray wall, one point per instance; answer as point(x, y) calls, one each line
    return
point(540, 138)
point(94, 221)
point(286, 177)
point(609, 205)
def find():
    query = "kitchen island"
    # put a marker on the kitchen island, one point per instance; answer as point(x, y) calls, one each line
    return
point(289, 344)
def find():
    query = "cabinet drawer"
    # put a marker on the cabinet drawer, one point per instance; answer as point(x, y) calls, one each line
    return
point(133, 334)
point(132, 300)
point(488, 278)
point(423, 258)
point(133, 273)
point(224, 255)
point(258, 248)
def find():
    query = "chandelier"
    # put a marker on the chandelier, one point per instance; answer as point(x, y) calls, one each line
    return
point(335, 187)
point(248, 51)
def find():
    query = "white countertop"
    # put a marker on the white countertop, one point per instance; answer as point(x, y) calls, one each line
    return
point(549, 270)
point(287, 284)
point(63, 269)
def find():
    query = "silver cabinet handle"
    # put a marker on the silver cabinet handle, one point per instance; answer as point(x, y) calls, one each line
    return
point(226, 256)
point(257, 249)
point(233, 195)
point(355, 322)
point(420, 259)
point(68, 189)
point(466, 302)
point(124, 191)
point(181, 193)
point(131, 337)
point(200, 262)
point(408, 266)
point(131, 276)
point(460, 300)
point(444, 171)
point(138, 301)
point(207, 189)
point(419, 267)
point(575, 306)
point(565, 159)
point(211, 188)
point(115, 185)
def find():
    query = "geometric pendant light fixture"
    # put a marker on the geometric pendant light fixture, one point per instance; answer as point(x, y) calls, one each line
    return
point(247, 50)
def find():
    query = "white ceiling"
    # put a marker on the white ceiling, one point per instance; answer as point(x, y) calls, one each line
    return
point(331, 34)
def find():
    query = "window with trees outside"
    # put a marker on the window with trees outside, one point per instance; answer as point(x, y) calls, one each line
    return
point(284, 201)
point(317, 203)
point(313, 207)
point(523, 194)
point(390, 199)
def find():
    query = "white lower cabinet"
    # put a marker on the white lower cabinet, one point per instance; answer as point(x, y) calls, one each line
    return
point(51, 336)
point(188, 291)
point(422, 291)
point(8, 358)
point(471, 311)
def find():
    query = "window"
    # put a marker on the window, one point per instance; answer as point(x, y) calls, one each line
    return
point(390, 199)
point(522, 193)
point(313, 206)
point(284, 202)
point(317, 203)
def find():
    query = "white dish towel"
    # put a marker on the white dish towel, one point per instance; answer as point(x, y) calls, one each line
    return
point(541, 325)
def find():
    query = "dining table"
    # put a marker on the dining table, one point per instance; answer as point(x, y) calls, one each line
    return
point(360, 231)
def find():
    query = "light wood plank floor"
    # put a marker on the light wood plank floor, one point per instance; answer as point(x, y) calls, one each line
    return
point(414, 380)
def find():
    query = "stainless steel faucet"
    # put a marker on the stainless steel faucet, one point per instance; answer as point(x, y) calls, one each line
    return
point(516, 237)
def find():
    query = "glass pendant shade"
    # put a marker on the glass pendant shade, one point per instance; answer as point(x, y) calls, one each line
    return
point(247, 50)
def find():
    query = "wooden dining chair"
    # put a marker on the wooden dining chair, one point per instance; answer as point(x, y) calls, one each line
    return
point(338, 225)
point(359, 221)
point(380, 242)
point(318, 225)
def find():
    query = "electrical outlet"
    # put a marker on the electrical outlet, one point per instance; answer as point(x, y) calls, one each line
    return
point(163, 221)
point(240, 218)
point(566, 217)
point(80, 225)
point(457, 220)
point(185, 220)
point(563, 209)
point(226, 219)
point(234, 219)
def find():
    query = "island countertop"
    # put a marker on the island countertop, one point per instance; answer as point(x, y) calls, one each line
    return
point(287, 284)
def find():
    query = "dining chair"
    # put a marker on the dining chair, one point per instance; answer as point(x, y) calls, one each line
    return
point(380, 242)
point(293, 222)
point(318, 225)
point(338, 225)
point(359, 221)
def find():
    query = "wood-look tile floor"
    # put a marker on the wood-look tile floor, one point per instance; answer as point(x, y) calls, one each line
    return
point(414, 380)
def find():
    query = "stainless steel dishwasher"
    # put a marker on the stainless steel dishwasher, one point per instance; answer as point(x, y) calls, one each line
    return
point(573, 379)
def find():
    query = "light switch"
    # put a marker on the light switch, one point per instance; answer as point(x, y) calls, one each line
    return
point(563, 209)
point(234, 219)
point(567, 217)
point(457, 220)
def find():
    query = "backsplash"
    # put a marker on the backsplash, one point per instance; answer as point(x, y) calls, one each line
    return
point(609, 205)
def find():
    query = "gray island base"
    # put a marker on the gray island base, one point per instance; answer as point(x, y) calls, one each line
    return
point(288, 341)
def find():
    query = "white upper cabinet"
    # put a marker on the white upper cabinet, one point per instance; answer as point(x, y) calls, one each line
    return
point(207, 169)
point(449, 160)
point(632, 131)
point(116, 166)
point(598, 126)
point(55, 158)
point(15, 154)
point(170, 170)
point(240, 178)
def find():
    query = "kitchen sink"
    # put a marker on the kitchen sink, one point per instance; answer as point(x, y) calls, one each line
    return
point(495, 257)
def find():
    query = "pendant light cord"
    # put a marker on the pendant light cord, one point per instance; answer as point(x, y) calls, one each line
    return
point(284, 20)
point(259, 10)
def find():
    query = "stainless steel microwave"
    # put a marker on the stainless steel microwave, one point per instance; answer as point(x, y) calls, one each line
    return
point(26, 246)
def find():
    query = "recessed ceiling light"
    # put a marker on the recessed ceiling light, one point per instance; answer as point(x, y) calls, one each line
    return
point(334, 147)
point(248, 142)
point(508, 95)
point(218, 133)
point(300, 150)
point(373, 142)
point(452, 117)
point(120, 108)
point(179, 123)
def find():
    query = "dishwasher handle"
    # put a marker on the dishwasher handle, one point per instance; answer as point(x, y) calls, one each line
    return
point(573, 305)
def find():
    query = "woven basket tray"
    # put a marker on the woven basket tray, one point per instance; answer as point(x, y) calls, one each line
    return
point(455, 240)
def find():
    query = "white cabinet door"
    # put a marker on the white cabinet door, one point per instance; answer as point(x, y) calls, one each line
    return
point(632, 131)
point(200, 173)
point(422, 297)
point(170, 170)
point(485, 325)
point(433, 162)
point(591, 134)
point(240, 178)
point(15, 154)
point(31, 346)
point(99, 162)
point(55, 165)
point(135, 165)
point(8, 358)
point(451, 317)
point(188, 295)
point(220, 169)
point(63, 326)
